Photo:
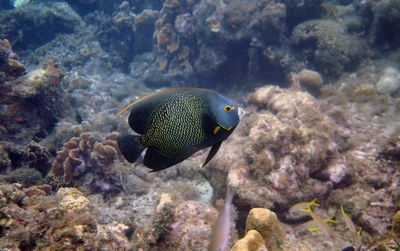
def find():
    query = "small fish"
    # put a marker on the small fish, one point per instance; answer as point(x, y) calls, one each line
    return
point(349, 223)
point(312, 222)
point(321, 224)
point(175, 123)
point(352, 227)
point(303, 205)
point(222, 227)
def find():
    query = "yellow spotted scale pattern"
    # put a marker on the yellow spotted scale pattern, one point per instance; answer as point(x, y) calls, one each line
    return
point(175, 127)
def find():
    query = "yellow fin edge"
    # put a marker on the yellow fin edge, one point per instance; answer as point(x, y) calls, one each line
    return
point(125, 108)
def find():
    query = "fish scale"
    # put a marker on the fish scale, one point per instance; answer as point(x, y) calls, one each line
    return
point(171, 132)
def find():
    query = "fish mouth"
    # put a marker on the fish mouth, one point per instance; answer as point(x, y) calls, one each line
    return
point(241, 113)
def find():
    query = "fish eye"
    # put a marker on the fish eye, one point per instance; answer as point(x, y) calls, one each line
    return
point(228, 108)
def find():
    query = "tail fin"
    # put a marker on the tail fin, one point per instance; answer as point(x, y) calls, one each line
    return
point(130, 147)
point(314, 203)
point(306, 210)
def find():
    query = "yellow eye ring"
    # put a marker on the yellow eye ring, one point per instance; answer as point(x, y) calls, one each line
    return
point(228, 108)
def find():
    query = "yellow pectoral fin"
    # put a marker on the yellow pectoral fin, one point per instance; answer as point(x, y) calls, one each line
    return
point(216, 129)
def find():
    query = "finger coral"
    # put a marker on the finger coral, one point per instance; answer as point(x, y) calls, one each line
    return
point(267, 224)
point(263, 232)
point(251, 241)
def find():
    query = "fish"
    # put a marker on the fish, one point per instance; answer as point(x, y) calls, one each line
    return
point(352, 227)
point(317, 229)
point(221, 229)
point(303, 205)
point(321, 224)
point(174, 123)
point(349, 223)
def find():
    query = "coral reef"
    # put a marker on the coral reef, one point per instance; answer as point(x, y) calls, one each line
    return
point(287, 149)
point(32, 104)
point(55, 222)
point(33, 156)
point(33, 25)
point(334, 135)
point(328, 46)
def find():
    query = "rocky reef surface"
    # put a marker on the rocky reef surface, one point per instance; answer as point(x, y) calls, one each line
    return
point(320, 83)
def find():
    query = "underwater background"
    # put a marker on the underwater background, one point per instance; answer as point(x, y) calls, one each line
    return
point(314, 164)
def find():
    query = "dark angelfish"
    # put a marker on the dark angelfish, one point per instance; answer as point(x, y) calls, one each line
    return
point(175, 123)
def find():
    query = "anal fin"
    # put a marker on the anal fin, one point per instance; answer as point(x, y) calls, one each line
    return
point(158, 161)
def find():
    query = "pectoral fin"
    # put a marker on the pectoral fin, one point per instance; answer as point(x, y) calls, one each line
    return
point(213, 151)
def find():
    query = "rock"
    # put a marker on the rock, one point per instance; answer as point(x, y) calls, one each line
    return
point(389, 82)
point(310, 79)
